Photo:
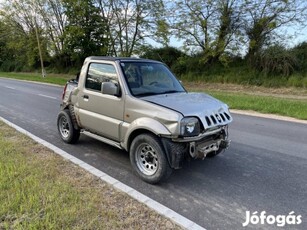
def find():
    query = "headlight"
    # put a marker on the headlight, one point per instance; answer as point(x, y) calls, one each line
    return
point(189, 126)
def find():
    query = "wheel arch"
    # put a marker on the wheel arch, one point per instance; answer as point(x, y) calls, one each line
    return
point(136, 133)
point(174, 152)
point(71, 112)
point(72, 135)
point(143, 125)
point(145, 143)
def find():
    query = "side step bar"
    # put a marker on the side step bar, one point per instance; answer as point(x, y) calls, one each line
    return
point(102, 139)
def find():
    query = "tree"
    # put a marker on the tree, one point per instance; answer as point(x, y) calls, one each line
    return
point(23, 34)
point(264, 17)
point(129, 23)
point(207, 25)
point(54, 21)
point(6, 55)
point(85, 31)
point(229, 12)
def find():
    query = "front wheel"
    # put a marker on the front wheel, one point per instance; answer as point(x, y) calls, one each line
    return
point(66, 129)
point(148, 159)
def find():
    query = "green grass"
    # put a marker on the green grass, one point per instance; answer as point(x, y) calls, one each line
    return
point(245, 76)
point(58, 79)
point(264, 104)
point(40, 190)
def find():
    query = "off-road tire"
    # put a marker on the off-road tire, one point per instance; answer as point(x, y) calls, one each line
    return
point(148, 159)
point(67, 131)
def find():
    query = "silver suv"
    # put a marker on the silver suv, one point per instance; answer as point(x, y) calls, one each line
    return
point(139, 106)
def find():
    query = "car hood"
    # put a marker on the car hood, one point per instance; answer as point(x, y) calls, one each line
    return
point(209, 110)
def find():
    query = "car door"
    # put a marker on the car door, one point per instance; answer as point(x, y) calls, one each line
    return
point(101, 113)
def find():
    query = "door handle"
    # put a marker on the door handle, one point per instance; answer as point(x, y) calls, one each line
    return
point(85, 96)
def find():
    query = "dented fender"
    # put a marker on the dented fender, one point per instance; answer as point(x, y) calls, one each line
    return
point(144, 123)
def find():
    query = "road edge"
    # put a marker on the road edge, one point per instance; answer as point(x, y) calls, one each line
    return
point(152, 204)
point(266, 115)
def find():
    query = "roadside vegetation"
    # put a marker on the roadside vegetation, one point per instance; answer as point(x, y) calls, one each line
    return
point(273, 67)
point(40, 190)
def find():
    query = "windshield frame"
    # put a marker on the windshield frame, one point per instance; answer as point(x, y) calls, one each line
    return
point(170, 85)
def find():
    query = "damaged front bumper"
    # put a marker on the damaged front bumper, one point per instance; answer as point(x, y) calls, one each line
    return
point(202, 149)
point(207, 144)
point(211, 141)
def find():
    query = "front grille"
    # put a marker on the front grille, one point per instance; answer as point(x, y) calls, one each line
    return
point(218, 119)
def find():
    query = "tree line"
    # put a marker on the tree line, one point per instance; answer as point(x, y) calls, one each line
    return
point(62, 33)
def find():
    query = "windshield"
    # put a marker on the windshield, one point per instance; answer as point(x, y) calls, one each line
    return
point(146, 78)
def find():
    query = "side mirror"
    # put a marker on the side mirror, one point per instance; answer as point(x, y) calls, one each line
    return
point(110, 88)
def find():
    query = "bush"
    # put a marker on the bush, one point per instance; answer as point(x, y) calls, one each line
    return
point(7, 66)
point(11, 66)
point(169, 55)
point(277, 60)
point(300, 52)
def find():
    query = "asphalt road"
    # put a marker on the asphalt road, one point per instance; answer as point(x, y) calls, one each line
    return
point(265, 168)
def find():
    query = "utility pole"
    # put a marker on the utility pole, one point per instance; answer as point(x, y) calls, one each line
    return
point(40, 50)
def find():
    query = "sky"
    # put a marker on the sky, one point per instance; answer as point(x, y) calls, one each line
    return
point(300, 37)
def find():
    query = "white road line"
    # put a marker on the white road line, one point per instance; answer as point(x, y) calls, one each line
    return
point(8, 87)
point(156, 206)
point(42, 95)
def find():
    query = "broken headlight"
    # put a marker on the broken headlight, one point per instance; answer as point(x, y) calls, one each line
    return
point(189, 126)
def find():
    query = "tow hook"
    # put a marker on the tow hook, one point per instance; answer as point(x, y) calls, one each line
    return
point(193, 150)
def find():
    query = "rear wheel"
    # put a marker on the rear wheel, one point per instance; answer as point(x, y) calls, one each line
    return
point(66, 129)
point(148, 159)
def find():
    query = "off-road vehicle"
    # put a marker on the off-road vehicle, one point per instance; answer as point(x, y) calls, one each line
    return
point(139, 106)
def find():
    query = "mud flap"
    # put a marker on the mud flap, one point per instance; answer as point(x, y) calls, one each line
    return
point(175, 152)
